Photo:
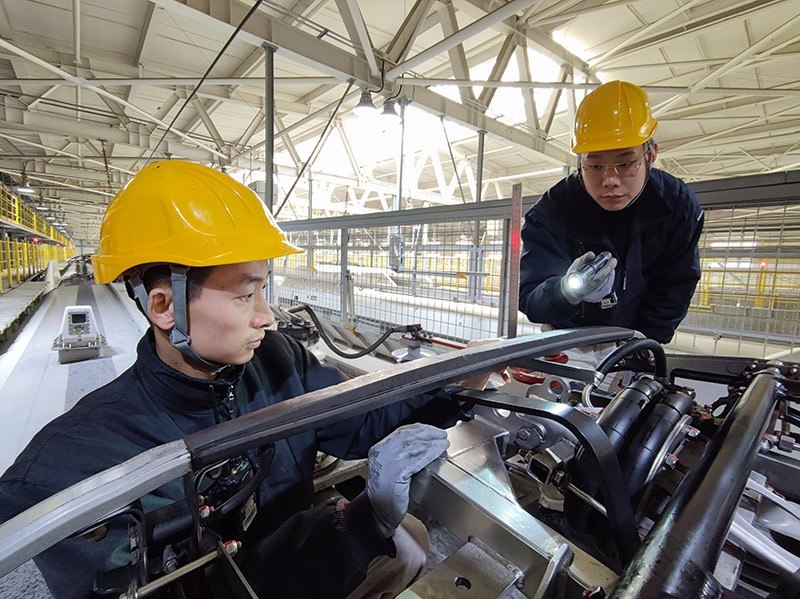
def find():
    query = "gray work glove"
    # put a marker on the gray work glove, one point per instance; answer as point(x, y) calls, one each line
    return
point(596, 288)
point(392, 463)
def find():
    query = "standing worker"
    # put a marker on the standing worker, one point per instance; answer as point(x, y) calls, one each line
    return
point(193, 246)
point(616, 202)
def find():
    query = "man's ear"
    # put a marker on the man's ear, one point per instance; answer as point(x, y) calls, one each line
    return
point(159, 307)
point(655, 153)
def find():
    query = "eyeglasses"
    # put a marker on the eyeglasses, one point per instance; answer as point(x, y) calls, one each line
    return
point(623, 169)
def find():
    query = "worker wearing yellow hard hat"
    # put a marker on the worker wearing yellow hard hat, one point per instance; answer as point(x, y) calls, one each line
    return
point(615, 242)
point(193, 246)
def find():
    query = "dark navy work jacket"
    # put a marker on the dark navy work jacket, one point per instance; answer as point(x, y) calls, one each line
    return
point(654, 281)
point(151, 404)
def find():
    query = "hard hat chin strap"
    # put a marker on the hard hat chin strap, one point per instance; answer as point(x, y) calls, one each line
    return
point(179, 334)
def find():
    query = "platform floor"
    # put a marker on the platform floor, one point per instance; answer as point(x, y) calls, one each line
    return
point(34, 387)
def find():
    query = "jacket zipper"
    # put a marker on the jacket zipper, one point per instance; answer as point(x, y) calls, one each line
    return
point(230, 399)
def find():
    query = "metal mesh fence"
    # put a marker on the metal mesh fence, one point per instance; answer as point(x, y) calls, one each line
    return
point(445, 276)
point(450, 278)
point(748, 297)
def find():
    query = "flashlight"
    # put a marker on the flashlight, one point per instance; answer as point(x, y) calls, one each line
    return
point(578, 279)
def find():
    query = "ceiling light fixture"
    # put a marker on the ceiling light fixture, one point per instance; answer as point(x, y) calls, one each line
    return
point(365, 104)
point(23, 187)
point(390, 110)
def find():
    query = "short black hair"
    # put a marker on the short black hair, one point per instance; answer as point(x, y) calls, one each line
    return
point(160, 274)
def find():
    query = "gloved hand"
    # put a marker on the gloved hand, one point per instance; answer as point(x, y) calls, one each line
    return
point(597, 286)
point(392, 463)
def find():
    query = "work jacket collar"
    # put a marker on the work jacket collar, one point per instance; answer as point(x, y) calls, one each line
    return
point(585, 214)
point(177, 390)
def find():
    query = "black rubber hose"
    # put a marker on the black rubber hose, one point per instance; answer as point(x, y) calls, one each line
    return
point(330, 343)
point(623, 351)
point(645, 444)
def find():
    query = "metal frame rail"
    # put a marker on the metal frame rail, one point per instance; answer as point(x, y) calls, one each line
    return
point(73, 509)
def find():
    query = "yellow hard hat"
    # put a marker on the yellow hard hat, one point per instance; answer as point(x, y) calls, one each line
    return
point(615, 115)
point(183, 213)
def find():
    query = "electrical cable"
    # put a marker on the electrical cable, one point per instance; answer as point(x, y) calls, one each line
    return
point(453, 160)
point(105, 160)
point(205, 75)
point(623, 351)
point(330, 343)
point(314, 151)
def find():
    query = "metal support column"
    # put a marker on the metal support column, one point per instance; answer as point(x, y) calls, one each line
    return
point(396, 244)
point(515, 243)
point(344, 275)
point(16, 262)
point(311, 239)
point(479, 174)
point(269, 122)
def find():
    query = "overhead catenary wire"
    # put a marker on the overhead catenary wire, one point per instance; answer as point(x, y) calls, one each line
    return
point(205, 75)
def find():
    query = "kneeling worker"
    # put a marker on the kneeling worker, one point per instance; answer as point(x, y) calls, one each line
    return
point(193, 246)
point(616, 202)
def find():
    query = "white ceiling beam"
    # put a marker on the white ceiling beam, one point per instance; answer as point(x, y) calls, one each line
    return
point(437, 105)
point(287, 141)
point(772, 92)
point(36, 177)
point(487, 21)
point(59, 126)
point(62, 152)
point(536, 38)
point(499, 68)
point(552, 104)
point(294, 44)
point(57, 170)
point(629, 38)
point(731, 65)
point(101, 92)
point(412, 26)
point(254, 126)
point(147, 37)
point(170, 82)
point(208, 123)
point(528, 100)
point(735, 133)
point(118, 111)
point(565, 16)
point(44, 95)
point(304, 9)
point(348, 148)
point(254, 60)
point(713, 14)
point(357, 30)
point(458, 58)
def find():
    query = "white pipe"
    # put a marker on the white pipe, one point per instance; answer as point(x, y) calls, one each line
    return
point(136, 81)
point(76, 30)
point(665, 89)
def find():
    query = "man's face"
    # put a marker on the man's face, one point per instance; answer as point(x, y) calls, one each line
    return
point(228, 318)
point(614, 177)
